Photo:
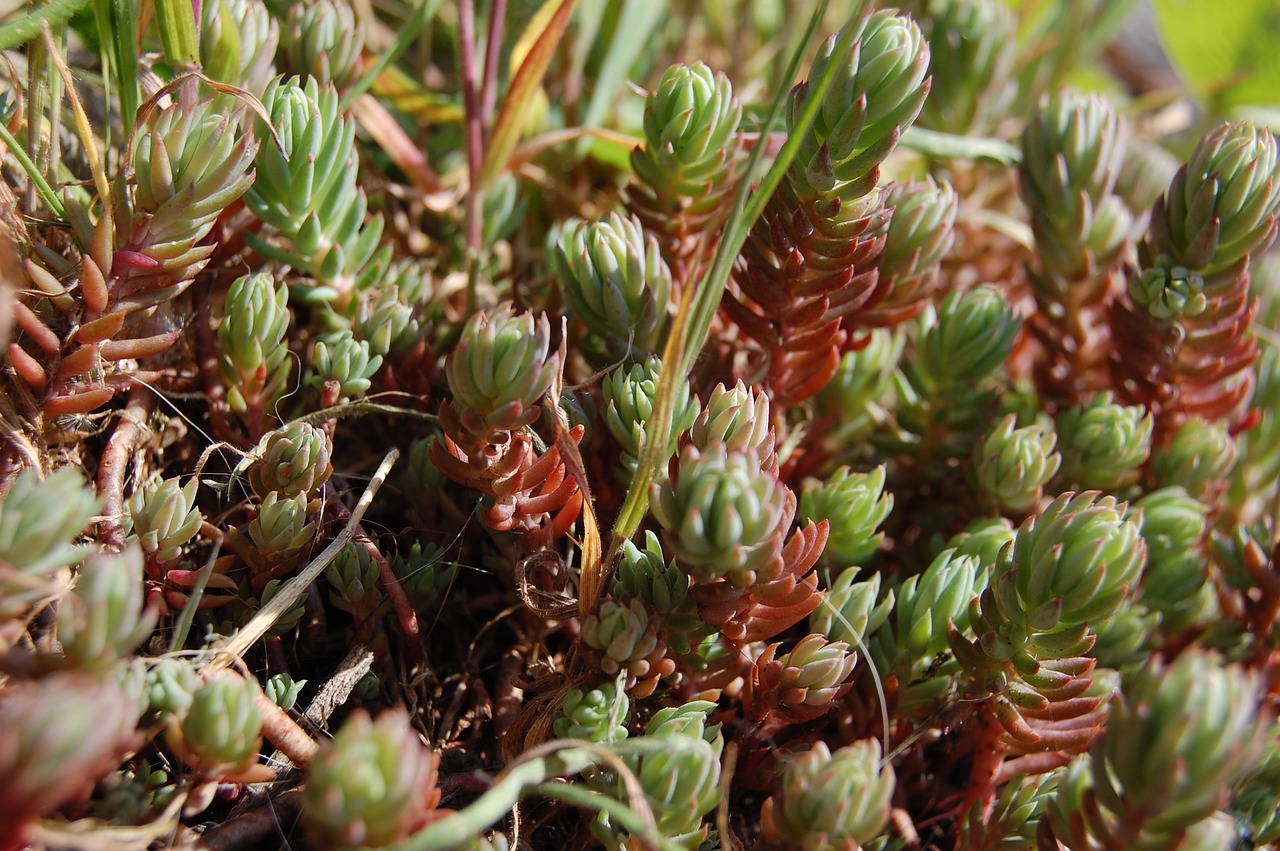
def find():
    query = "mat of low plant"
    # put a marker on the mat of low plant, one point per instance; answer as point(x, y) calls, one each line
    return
point(640, 424)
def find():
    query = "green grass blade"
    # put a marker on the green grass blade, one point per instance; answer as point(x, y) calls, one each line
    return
point(699, 305)
point(19, 32)
point(631, 37)
point(520, 97)
point(122, 35)
point(33, 173)
point(177, 22)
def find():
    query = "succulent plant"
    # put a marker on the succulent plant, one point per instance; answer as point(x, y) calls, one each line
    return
point(722, 517)
point(372, 785)
point(102, 620)
point(802, 684)
point(970, 63)
point(1103, 444)
point(165, 518)
point(502, 367)
point(254, 359)
point(827, 800)
point(855, 505)
point(628, 405)
point(616, 283)
point(291, 460)
point(279, 533)
point(1013, 465)
point(39, 522)
point(220, 734)
point(283, 690)
point(347, 362)
point(238, 40)
point(323, 40)
point(57, 736)
point(850, 610)
point(598, 715)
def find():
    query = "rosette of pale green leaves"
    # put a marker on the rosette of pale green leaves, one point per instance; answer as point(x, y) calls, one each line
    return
point(1012, 466)
point(280, 531)
point(802, 683)
point(680, 778)
point(307, 188)
point(971, 47)
point(1015, 816)
point(853, 399)
point(927, 602)
point(190, 164)
point(921, 232)
point(599, 715)
point(39, 522)
point(849, 612)
point(389, 326)
point(283, 690)
point(372, 785)
point(221, 732)
point(238, 41)
point(1178, 737)
point(1103, 444)
point(292, 459)
point(323, 40)
point(616, 283)
point(1072, 564)
point(983, 539)
point(628, 404)
point(252, 354)
point(347, 362)
point(1072, 149)
point(1221, 206)
point(170, 686)
point(854, 504)
point(165, 518)
point(353, 578)
point(722, 516)
point(1168, 293)
point(874, 95)
point(825, 800)
point(501, 368)
point(58, 735)
point(1176, 581)
point(102, 620)
point(739, 418)
point(623, 634)
point(425, 575)
point(644, 575)
point(690, 120)
point(1199, 458)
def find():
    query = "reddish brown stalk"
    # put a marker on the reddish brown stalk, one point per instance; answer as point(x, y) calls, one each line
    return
point(125, 440)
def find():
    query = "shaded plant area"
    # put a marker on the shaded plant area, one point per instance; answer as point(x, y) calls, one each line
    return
point(749, 424)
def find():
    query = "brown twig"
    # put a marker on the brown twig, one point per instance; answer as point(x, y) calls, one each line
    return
point(255, 825)
point(126, 438)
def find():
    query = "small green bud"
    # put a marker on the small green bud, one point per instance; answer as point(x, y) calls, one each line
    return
point(501, 368)
point(1178, 737)
point(599, 715)
point(1013, 465)
point(221, 733)
point(324, 40)
point(1072, 149)
point(739, 418)
point(690, 119)
point(624, 635)
point(1169, 293)
point(628, 399)
point(801, 685)
point(354, 577)
point(644, 575)
point(102, 620)
point(347, 361)
point(849, 612)
point(826, 800)
point(969, 340)
point(1104, 445)
point(283, 690)
point(373, 785)
point(280, 531)
point(971, 44)
point(238, 41)
point(1074, 563)
point(616, 283)
point(253, 355)
point(39, 521)
point(171, 685)
point(722, 517)
point(1222, 205)
point(855, 506)
point(291, 460)
point(929, 601)
point(165, 518)
point(389, 326)
point(876, 93)
point(425, 575)
point(1199, 458)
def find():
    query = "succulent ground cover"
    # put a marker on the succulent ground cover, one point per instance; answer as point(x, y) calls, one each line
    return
point(862, 431)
